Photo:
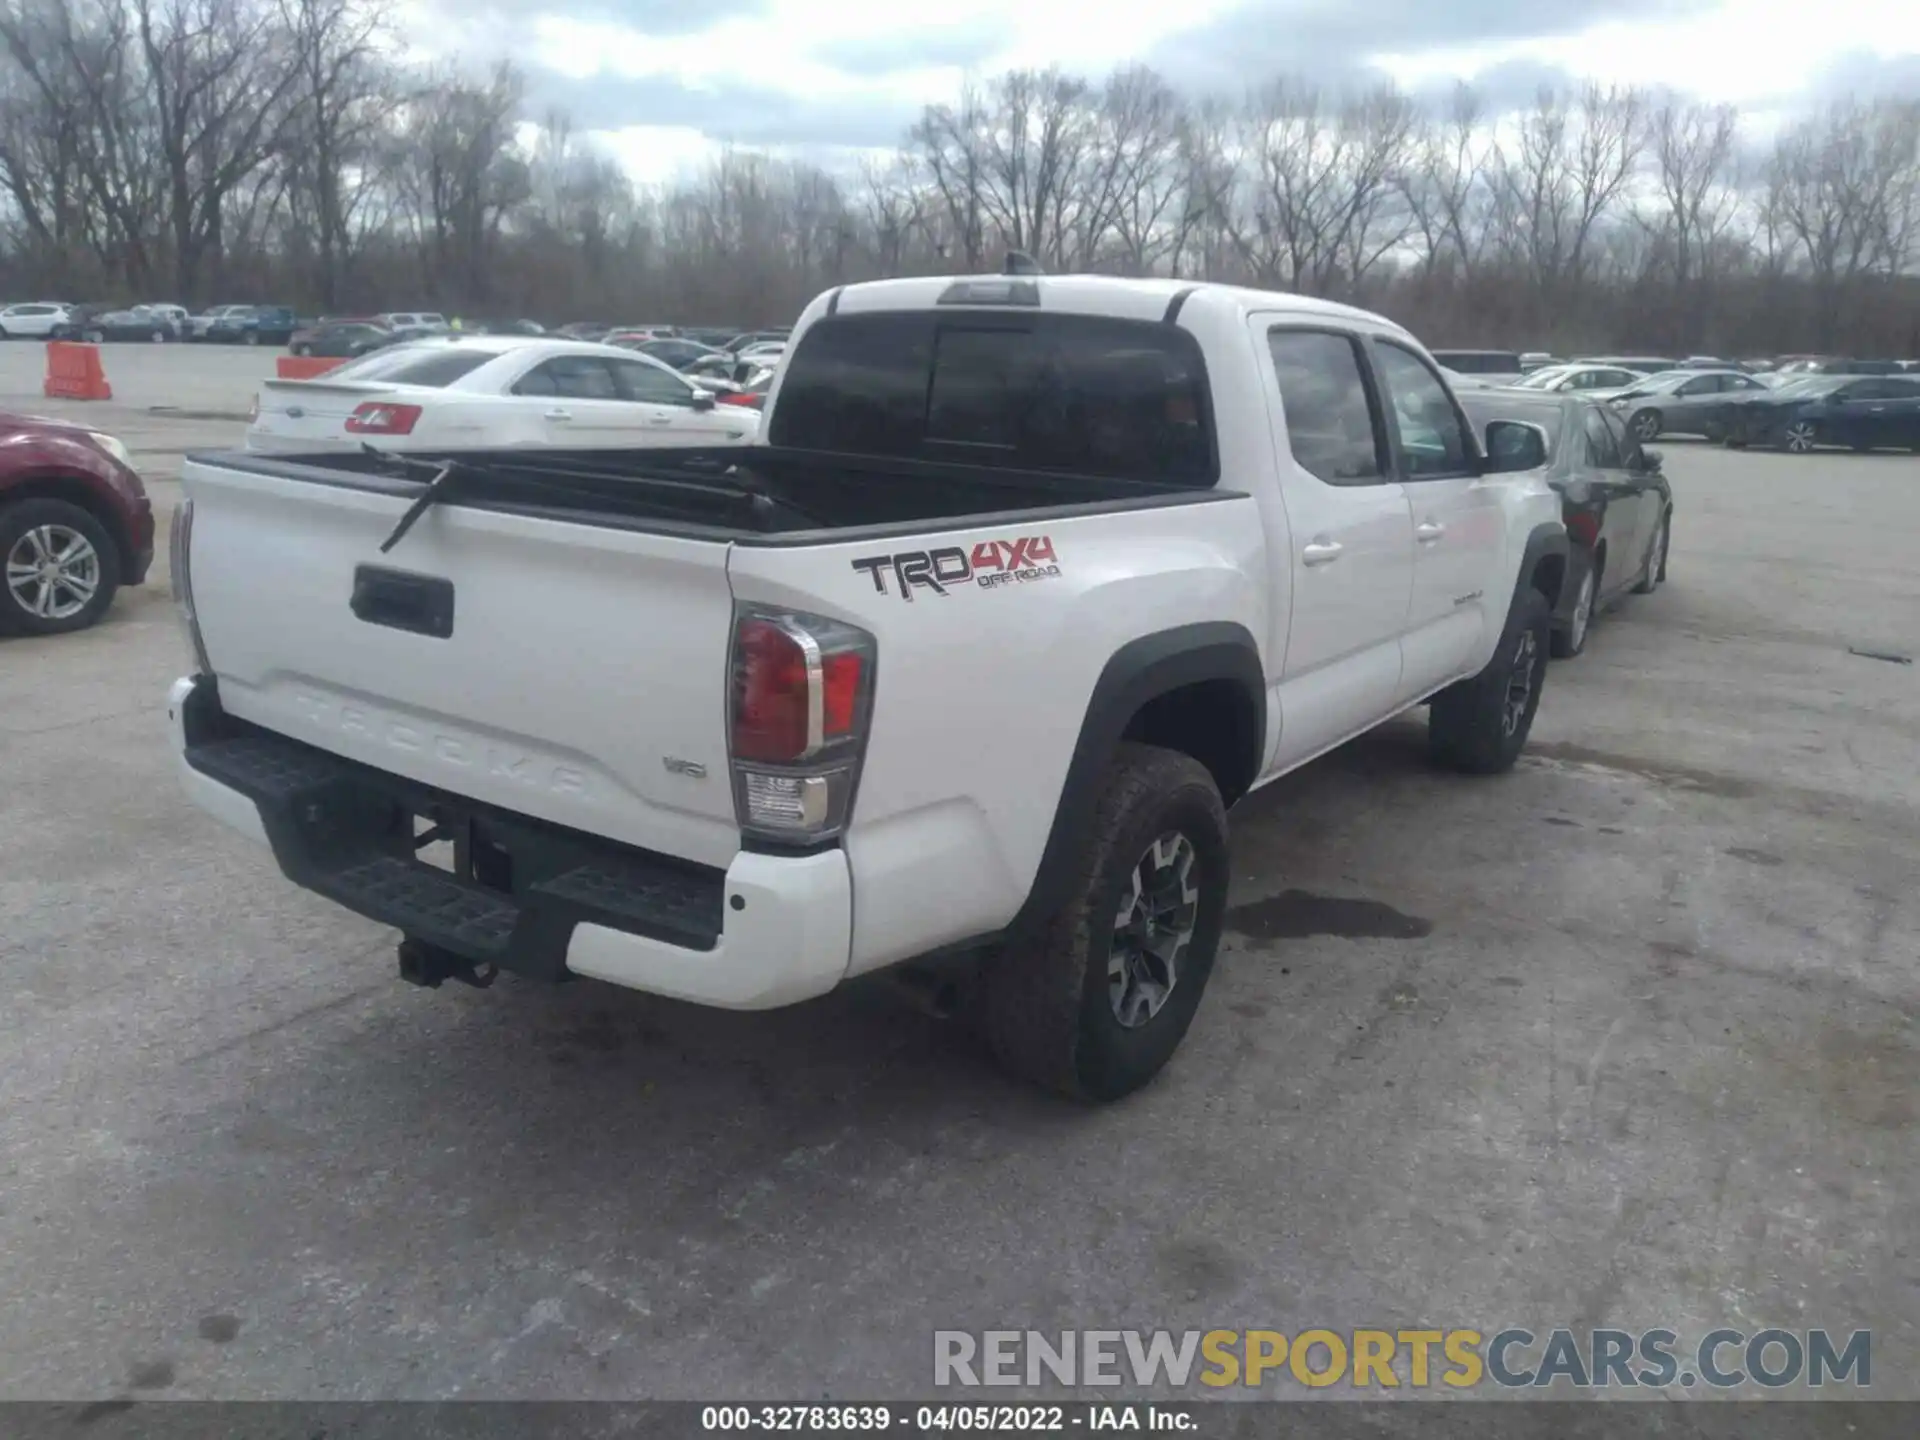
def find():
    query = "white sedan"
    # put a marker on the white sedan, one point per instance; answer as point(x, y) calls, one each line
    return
point(481, 392)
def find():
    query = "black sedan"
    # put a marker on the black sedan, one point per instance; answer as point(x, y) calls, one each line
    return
point(345, 338)
point(1617, 505)
point(1683, 402)
point(1860, 412)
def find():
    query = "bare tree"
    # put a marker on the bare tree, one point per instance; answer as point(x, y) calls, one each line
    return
point(1328, 183)
point(278, 149)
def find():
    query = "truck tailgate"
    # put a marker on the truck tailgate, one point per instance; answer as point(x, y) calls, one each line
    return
point(582, 679)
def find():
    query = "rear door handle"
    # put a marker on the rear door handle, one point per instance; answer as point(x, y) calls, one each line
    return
point(558, 414)
point(660, 420)
point(1428, 531)
point(1321, 552)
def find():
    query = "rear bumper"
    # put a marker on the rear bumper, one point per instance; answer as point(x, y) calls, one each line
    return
point(767, 931)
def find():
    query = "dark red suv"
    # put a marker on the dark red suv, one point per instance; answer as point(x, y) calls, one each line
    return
point(75, 524)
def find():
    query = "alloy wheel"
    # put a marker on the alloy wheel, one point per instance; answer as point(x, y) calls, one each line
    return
point(1647, 426)
point(1526, 661)
point(53, 572)
point(1159, 911)
point(1800, 437)
point(1582, 614)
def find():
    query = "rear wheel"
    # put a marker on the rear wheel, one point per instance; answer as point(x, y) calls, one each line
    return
point(61, 568)
point(1097, 1002)
point(1571, 640)
point(1480, 725)
point(1656, 567)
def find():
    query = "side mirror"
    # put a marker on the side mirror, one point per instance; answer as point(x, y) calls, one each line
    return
point(1514, 445)
point(702, 400)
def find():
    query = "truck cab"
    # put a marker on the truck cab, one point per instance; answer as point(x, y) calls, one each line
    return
point(1026, 581)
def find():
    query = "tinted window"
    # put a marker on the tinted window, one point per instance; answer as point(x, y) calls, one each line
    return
point(1433, 442)
point(1330, 417)
point(1603, 452)
point(577, 377)
point(1042, 392)
point(1479, 362)
point(1705, 385)
point(381, 363)
point(636, 381)
point(441, 367)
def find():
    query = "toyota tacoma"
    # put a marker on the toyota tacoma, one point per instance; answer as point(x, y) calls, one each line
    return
point(1026, 581)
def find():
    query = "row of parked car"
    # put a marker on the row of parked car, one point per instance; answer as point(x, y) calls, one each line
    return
point(158, 323)
point(1806, 403)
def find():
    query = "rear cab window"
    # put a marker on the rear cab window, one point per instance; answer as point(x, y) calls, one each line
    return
point(1082, 394)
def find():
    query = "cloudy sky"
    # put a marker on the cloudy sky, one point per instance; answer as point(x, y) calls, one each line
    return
point(663, 82)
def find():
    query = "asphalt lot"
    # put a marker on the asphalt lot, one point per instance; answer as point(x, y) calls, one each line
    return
point(1654, 1064)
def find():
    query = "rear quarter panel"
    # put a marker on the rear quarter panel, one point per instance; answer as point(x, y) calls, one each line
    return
point(980, 691)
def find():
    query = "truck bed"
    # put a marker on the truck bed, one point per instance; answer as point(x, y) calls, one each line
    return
point(770, 495)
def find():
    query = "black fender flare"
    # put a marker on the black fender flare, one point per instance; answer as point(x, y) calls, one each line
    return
point(1139, 671)
point(1549, 538)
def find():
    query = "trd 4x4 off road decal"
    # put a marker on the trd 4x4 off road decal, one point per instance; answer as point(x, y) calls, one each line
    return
point(992, 563)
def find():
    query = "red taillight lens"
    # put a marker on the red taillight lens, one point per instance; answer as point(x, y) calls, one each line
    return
point(802, 691)
point(377, 417)
point(772, 699)
point(749, 402)
point(840, 677)
point(1584, 526)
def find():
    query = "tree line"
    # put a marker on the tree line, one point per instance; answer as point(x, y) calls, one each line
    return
point(213, 150)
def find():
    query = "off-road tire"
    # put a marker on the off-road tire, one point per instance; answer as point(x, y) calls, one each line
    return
point(1044, 1005)
point(1467, 724)
point(15, 521)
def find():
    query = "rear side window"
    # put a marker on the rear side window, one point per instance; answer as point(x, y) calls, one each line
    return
point(1331, 421)
point(1078, 393)
point(577, 377)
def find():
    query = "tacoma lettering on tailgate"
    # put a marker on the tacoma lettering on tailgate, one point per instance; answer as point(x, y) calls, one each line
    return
point(992, 563)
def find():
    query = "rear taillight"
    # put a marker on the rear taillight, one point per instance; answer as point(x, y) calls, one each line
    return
point(1584, 526)
point(180, 563)
point(750, 402)
point(800, 697)
point(378, 417)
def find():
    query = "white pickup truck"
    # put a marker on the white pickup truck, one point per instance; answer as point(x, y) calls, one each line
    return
point(1026, 581)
